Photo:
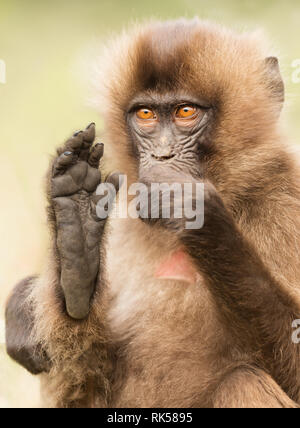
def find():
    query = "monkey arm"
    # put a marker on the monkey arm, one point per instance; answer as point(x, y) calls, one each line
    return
point(77, 231)
point(72, 355)
point(255, 384)
point(252, 301)
point(73, 179)
point(20, 342)
point(61, 314)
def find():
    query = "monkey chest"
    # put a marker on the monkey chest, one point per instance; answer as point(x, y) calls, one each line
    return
point(166, 327)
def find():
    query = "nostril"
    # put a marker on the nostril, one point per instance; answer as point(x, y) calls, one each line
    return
point(162, 158)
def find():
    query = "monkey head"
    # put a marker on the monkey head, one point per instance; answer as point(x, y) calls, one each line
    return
point(191, 97)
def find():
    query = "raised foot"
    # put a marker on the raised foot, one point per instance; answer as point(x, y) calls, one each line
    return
point(74, 179)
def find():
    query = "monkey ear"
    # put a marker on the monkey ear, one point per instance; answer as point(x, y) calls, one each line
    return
point(274, 80)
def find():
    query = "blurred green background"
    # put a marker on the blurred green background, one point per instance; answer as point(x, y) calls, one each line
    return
point(44, 45)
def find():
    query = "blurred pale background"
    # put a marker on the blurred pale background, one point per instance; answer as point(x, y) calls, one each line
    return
point(43, 100)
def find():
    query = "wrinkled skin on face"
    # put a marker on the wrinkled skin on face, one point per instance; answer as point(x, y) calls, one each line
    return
point(171, 137)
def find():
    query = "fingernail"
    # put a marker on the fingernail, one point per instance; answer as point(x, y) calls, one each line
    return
point(77, 133)
point(99, 144)
point(67, 153)
point(88, 127)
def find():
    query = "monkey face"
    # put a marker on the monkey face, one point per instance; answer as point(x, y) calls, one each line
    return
point(193, 98)
point(166, 130)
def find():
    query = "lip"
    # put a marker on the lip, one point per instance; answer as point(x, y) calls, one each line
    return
point(163, 158)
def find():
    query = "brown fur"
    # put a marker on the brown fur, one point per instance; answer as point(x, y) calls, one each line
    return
point(150, 343)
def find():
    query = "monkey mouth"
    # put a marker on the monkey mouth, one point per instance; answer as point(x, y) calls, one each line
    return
point(163, 158)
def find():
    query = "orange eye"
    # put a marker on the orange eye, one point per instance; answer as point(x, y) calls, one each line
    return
point(185, 112)
point(145, 114)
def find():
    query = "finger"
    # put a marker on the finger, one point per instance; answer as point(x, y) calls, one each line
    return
point(74, 144)
point(89, 133)
point(103, 200)
point(88, 139)
point(63, 162)
point(116, 179)
point(96, 155)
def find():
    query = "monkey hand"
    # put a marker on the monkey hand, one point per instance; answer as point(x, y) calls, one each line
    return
point(174, 201)
point(74, 178)
point(205, 228)
point(186, 207)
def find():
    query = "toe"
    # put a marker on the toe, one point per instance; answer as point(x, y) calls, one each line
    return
point(88, 139)
point(102, 201)
point(96, 155)
point(89, 133)
point(116, 179)
point(74, 144)
point(63, 162)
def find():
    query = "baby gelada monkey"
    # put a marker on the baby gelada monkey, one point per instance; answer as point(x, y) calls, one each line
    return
point(143, 312)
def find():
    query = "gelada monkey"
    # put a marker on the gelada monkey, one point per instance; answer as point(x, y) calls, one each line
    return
point(142, 312)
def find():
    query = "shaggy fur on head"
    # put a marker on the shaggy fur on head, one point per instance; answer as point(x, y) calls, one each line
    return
point(225, 70)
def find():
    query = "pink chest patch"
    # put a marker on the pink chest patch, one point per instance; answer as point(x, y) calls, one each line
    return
point(177, 266)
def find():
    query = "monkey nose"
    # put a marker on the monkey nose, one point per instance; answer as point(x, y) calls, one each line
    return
point(162, 154)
